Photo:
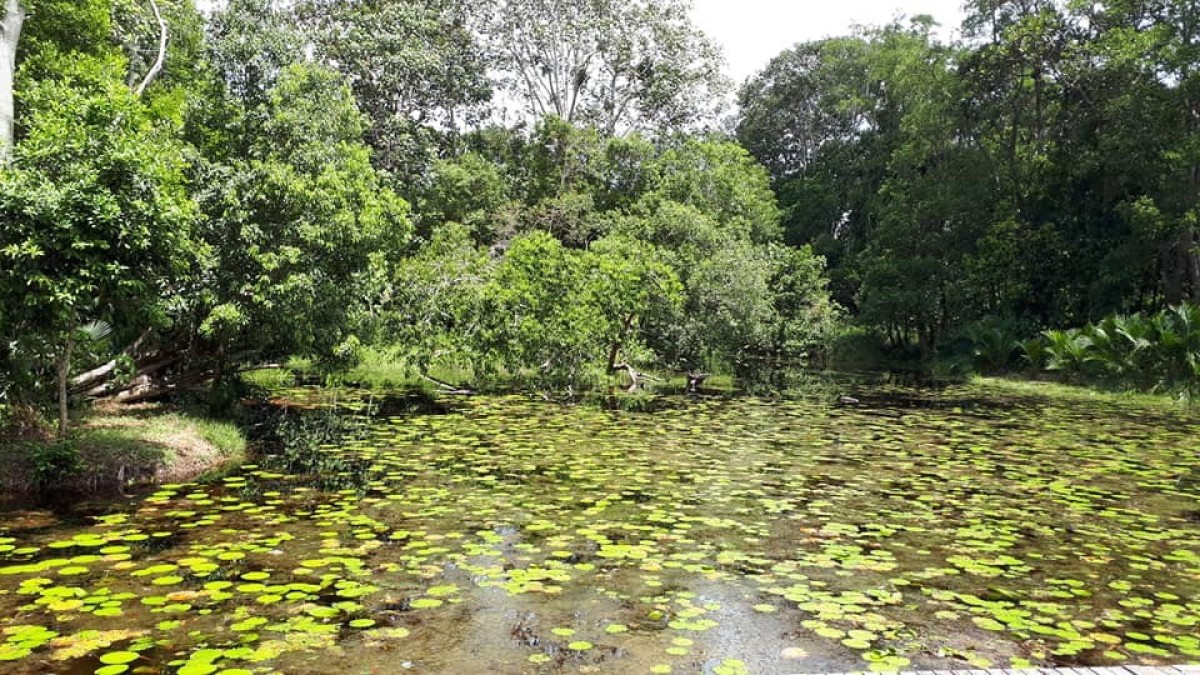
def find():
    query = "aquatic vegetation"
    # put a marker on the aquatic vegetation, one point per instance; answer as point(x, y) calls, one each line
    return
point(919, 529)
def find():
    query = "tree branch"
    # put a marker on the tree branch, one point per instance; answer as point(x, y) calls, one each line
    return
point(162, 51)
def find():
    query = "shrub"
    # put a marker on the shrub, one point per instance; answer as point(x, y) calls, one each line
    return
point(55, 462)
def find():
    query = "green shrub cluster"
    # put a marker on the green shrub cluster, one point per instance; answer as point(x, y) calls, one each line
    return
point(1157, 352)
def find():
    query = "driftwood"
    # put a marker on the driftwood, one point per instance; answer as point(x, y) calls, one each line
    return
point(634, 376)
point(447, 388)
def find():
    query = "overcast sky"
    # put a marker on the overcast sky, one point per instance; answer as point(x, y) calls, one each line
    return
point(753, 31)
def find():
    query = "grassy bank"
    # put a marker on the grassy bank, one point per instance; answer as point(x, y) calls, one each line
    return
point(1017, 386)
point(111, 448)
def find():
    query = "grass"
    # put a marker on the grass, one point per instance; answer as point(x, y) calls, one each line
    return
point(270, 378)
point(1063, 391)
point(110, 448)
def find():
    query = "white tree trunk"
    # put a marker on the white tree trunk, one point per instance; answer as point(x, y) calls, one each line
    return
point(10, 35)
point(162, 51)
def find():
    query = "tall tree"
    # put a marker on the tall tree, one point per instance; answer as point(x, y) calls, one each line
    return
point(1161, 40)
point(96, 216)
point(618, 65)
point(291, 227)
point(416, 68)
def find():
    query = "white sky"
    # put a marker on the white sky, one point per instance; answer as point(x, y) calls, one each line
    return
point(754, 31)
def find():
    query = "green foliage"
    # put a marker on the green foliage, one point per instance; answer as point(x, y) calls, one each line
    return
point(291, 230)
point(556, 313)
point(242, 208)
point(469, 190)
point(617, 66)
point(601, 250)
point(416, 69)
point(55, 462)
point(994, 344)
point(1159, 352)
point(1044, 171)
point(97, 216)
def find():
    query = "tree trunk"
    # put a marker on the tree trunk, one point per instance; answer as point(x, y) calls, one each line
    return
point(162, 51)
point(102, 374)
point(1192, 255)
point(64, 369)
point(10, 35)
point(1177, 267)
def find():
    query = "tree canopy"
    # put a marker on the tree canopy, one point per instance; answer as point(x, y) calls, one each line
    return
point(541, 192)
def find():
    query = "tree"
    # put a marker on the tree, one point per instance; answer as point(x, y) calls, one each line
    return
point(250, 43)
point(11, 24)
point(469, 190)
point(96, 212)
point(805, 99)
point(292, 230)
point(97, 219)
point(1160, 42)
point(620, 66)
point(416, 69)
point(818, 118)
point(565, 316)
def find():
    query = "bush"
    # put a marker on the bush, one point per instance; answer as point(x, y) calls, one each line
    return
point(1160, 352)
point(54, 463)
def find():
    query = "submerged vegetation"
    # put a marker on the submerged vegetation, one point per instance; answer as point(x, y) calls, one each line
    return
point(923, 529)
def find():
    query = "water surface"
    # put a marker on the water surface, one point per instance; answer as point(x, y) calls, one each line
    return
point(919, 529)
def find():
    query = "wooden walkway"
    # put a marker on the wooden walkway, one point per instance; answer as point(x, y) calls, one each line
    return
point(1121, 670)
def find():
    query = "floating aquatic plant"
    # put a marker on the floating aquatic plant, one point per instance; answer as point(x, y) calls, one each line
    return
point(943, 529)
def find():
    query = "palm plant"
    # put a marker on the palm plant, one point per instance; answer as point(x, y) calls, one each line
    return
point(992, 344)
point(1067, 350)
point(1034, 352)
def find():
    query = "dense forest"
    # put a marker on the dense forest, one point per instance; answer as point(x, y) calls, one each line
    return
point(561, 193)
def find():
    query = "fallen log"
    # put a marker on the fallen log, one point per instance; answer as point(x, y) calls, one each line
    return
point(447, 388)
point(99, 374)
point(634, 376)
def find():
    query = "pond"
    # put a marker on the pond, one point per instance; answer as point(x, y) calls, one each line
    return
point(957, 528)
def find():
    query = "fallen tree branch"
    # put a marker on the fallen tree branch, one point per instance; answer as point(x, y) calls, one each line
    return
point(446, 387)
point(146, 368)
point(696, 380)
point(262, 366)
point(634, 375)
point(90, 378)
point(147, 389)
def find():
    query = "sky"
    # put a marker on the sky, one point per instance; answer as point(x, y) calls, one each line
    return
point(754, 31)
